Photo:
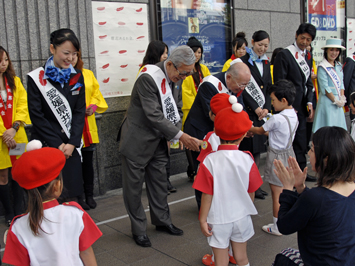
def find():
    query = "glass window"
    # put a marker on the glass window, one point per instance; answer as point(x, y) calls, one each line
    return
point(208, 20)
point(328, 16)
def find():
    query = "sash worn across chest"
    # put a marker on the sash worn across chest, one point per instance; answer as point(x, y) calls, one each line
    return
point(301, 62)
point(255, 92)
point(220, 88)
point(333, 75)
point(6, 108)
point(56, 101)
point(170, 109)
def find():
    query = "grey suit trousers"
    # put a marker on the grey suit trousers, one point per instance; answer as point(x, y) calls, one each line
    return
point(154, 175)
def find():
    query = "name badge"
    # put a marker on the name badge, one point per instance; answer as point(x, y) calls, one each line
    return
point(75, 93)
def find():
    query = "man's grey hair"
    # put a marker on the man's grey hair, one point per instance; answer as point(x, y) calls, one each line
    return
point(182, 55)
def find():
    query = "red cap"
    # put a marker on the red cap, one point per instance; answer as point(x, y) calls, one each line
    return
point(232, 123)
point(38, 167)
point(221, 101)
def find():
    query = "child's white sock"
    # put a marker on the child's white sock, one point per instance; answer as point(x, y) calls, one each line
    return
point(244, 265)
point(275, 222)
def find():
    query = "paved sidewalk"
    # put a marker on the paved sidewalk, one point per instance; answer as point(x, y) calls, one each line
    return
point(116, 247)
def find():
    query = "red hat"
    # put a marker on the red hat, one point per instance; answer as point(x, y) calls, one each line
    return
point(221, 101)
point(38, 167)
point(232, 123)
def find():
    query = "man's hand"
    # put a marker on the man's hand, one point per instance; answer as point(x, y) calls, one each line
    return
point(89, 111)
point(310, 110)
point(189, 142)
point(68, 150)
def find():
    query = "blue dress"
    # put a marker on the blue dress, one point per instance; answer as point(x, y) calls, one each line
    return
point(327, 113)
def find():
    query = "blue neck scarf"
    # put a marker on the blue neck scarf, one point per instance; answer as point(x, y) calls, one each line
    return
point(56, 74)
point(253, 57)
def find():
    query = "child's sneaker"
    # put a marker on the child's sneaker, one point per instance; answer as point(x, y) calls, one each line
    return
point(271, 229)
point(207, 260)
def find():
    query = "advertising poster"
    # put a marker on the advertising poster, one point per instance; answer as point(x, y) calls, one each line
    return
point(328, 16)
point(350, 41)
point(207, 20)
point(120, 38)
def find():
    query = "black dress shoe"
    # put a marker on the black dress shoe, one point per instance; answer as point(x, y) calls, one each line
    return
point(171, 188)
point(83, 204)
point(142, 240)
point(264, 192)
point(259, 194)
point(91, 202)
point(171, 229)
point(311, 178)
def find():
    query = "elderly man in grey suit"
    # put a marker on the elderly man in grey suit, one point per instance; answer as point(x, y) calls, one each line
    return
point(153, 117)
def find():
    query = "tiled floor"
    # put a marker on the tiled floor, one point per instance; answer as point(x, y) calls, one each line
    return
point(116, 247)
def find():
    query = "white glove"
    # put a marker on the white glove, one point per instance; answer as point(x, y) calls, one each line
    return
point(343, 99)
point(339, 103)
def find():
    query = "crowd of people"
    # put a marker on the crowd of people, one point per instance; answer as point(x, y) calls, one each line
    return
point(223, 121)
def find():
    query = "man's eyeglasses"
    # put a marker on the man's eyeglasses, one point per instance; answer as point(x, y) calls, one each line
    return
point(185, 74)
point(242, 85)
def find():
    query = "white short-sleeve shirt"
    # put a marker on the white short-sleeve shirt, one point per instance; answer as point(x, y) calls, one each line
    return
point(69, 230)
point(229, 175)
point(278, 128)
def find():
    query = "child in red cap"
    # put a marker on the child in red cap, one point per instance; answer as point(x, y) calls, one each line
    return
point(225, 178)
point(49, 234)
point(210, 144)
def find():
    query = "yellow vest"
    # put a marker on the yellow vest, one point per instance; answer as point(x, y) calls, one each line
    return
point(19, 113)
point(93, 96)
point(189, 92)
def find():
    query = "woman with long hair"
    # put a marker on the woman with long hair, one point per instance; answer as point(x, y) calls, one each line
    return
point(56, 97)
point(13, 117)
point(322, 216)
point(157, 51)
point(95, 102)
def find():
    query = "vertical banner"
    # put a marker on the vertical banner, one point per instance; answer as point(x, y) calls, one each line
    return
point(328, 16)
point(120, 38)
point(208, 20)
point(350, 40)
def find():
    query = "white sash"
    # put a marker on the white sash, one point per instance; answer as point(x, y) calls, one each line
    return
point(58, 104)
point(301, 61)
point(255, 92)
point(216, 83)
point(332, 74)
point(170, 109)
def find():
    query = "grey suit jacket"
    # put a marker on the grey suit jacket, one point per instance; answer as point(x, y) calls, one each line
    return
point(145, 124)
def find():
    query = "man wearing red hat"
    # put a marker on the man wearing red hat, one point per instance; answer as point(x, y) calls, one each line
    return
point(228, 186)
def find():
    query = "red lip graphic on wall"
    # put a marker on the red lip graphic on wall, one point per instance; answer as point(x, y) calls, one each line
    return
point(140, 23)
point(106, 80)
point(140, 65)
point(41, 80)
point(141, 51)
point(140, 37)
point(104, 52)
point(124, 66)
point(122, 51)
point(351, 31)
point(120, 8)
point(350, 40)
point(220, 86)
point(102, 23)
point(121, 23)
point(101, 8)
point(102, 37)
point(163, 87)
point(139, 10)
point(105, 66)
point(124, 80)
point(144, 69)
